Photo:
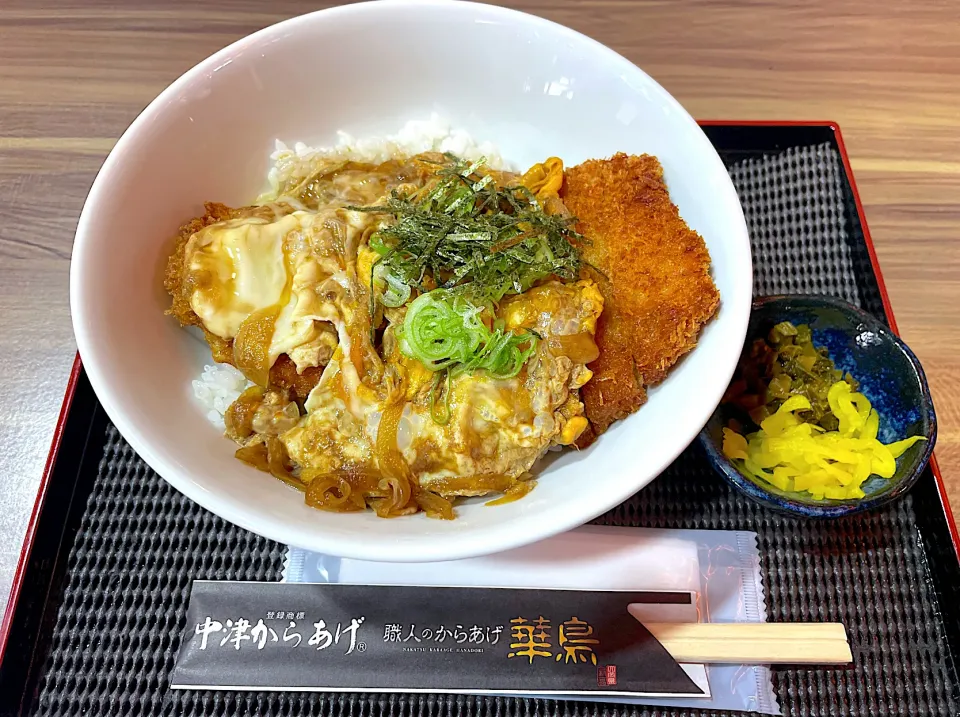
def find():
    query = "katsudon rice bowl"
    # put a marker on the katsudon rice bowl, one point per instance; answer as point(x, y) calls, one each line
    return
point(427, 319)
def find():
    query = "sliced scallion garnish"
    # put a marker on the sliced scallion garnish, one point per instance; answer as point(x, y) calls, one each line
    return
point(444, 331)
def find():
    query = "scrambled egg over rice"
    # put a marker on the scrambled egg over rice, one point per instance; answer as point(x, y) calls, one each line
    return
point(347, 403)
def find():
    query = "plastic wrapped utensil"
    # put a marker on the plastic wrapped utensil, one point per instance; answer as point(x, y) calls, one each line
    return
point(721, 567)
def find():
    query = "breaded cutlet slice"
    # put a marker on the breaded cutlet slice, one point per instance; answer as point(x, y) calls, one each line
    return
point(656, 281)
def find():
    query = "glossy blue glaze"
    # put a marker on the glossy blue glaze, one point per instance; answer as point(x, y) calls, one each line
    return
point(889, 375)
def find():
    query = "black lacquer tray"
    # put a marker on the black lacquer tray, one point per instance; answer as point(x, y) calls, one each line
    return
point(100, 593)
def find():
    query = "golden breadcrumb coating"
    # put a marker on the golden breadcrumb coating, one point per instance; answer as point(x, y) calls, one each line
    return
point(656, 281)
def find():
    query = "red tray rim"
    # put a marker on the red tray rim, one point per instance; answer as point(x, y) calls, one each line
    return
point(18, 577)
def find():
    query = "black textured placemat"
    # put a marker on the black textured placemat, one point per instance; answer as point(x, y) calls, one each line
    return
point(141, 543)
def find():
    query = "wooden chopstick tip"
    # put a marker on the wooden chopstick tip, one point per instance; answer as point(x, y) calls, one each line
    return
point(753, 642)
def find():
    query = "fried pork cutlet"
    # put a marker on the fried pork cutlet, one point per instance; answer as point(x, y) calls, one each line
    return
point(656, 285)
point(173, 280)
point(283, 373)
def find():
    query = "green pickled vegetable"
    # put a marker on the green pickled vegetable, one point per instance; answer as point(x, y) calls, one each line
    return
point(786, 363)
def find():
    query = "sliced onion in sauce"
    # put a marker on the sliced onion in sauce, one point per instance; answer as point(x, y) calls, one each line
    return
point(388, 455)
point(397, 502)
point(393, 467)
point(435, 506)
point(334, 493)
point(251, 347)
point(238, 418)
point(270, 456)
point(514, 492)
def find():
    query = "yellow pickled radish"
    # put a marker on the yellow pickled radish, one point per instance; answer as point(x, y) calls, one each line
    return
point(734, 445)
point(796, 456)
point(897, 449)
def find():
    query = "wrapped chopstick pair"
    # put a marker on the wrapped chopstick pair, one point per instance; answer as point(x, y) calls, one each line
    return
point(720, 568)
point(620, 615)
point(765, 643)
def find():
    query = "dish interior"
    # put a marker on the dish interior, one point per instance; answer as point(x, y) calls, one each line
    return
point(533, 88)
point(886, 374)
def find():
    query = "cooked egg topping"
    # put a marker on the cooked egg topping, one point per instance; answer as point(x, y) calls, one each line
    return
point(424, 393)
point(291, 266)
point(497, 428)
point(283, 264)
point(240, 267)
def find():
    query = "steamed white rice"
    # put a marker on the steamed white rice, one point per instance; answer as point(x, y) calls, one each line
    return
point(218, 386)
point(432, 135)
point(221, 384)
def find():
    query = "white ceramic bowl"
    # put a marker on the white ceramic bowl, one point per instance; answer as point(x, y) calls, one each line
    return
point(526, 84)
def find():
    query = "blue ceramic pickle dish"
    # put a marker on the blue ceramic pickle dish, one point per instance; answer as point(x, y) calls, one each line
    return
point(889, 375)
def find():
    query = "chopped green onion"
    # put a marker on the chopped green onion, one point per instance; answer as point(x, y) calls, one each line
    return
point(439, 418)
point(376, 243)
point(397, 292)
point(440, 330)
point(444, 331)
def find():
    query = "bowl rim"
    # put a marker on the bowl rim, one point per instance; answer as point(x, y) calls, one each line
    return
point(456, 546)
point(838, 508)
